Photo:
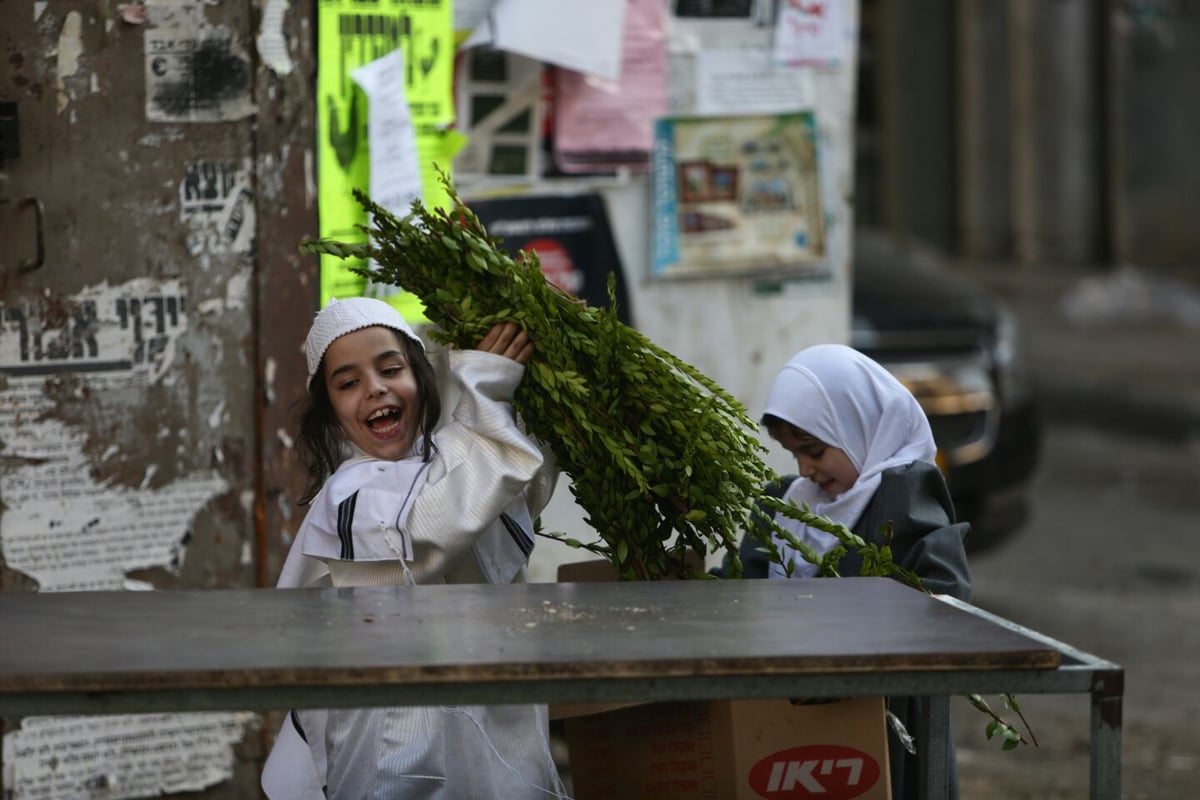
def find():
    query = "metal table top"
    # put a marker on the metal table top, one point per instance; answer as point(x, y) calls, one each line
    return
point(271, 648)
point(264, 649)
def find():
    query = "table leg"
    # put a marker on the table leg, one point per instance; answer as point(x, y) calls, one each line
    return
point(1108, 689)
point(933, 747)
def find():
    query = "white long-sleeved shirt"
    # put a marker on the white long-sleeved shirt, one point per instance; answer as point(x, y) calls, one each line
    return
point(462, 517)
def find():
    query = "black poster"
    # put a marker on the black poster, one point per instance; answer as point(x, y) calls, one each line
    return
point(571, 236)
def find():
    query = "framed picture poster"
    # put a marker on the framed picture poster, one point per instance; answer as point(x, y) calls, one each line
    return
point(570, 234)
point(736, 195)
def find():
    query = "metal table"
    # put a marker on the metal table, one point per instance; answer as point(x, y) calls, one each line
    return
point(274, 649)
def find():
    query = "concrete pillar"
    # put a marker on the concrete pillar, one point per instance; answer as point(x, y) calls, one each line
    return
point(984, 130)
point(1155, 123)
point(916, 73)
point(1057, 128)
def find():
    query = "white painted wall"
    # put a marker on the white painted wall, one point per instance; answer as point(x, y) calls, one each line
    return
point(728, 327)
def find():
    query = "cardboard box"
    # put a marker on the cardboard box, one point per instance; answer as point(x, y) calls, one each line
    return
point(593, 570)
point(725, 749)
point(740, 749)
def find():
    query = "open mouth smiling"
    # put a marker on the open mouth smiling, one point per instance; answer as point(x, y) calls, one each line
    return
point(384, 421)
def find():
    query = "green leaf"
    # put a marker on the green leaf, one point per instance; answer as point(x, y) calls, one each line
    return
point(628, 420)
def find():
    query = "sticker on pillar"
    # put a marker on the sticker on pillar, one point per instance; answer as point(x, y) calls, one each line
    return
point(815, 34)
point(120, 756)
point(132, 328)
point(217, 206)
point(195, 72)
point(272, 41)
point(109, 469)
point(355, 34)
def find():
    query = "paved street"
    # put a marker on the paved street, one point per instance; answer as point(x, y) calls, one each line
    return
point(1110, 564)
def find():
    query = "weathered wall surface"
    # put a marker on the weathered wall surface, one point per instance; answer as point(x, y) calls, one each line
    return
point(163, 157)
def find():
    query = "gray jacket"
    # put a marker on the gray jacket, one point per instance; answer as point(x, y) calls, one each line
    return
point(925, 536)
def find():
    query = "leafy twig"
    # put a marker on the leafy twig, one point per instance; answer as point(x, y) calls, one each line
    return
point(1010, 736)
point(665, 463)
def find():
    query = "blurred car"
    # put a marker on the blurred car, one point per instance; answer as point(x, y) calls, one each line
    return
point(957, 348)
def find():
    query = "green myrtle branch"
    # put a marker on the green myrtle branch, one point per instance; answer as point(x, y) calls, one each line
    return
point(665, 463)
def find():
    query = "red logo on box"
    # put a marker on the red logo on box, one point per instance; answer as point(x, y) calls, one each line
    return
point(825, 771)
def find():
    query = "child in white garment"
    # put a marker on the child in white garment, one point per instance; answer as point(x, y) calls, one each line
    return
point(395, 502)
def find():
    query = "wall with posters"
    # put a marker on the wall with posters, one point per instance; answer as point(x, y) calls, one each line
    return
point(171, 160)
point(721, 146)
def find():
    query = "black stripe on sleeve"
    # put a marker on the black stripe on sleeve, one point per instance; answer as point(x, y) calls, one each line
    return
point(345, 524)
point(296, 724)
point(523, 539)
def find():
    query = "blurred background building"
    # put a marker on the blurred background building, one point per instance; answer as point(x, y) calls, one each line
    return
point(1031, 130)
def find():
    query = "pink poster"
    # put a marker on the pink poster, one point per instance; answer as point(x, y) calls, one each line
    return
point(602, 125)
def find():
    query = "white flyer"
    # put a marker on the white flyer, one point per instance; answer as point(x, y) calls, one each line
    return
point(583, 37)
point(812, 33)
point(743, 81)
point(395, 170)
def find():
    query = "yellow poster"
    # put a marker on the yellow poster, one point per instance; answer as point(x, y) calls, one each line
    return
point(352, 33)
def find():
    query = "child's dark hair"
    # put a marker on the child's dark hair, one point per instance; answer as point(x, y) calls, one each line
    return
point(319, 441)
point(775, 425)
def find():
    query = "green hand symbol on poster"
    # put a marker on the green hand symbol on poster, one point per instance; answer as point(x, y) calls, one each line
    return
point(350, 37)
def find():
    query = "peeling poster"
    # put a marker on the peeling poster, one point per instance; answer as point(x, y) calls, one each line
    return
point(60, 525)
point(195, 72)
point(125, 756)
point(217, 206)
point(69, 531)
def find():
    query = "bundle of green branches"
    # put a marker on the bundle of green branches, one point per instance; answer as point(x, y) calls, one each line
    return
point(664, 462)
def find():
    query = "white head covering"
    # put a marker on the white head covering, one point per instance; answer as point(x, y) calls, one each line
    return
point(340, 317)
point(848, 401)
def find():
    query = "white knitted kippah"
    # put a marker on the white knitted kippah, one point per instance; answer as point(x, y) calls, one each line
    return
point(340, 317)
